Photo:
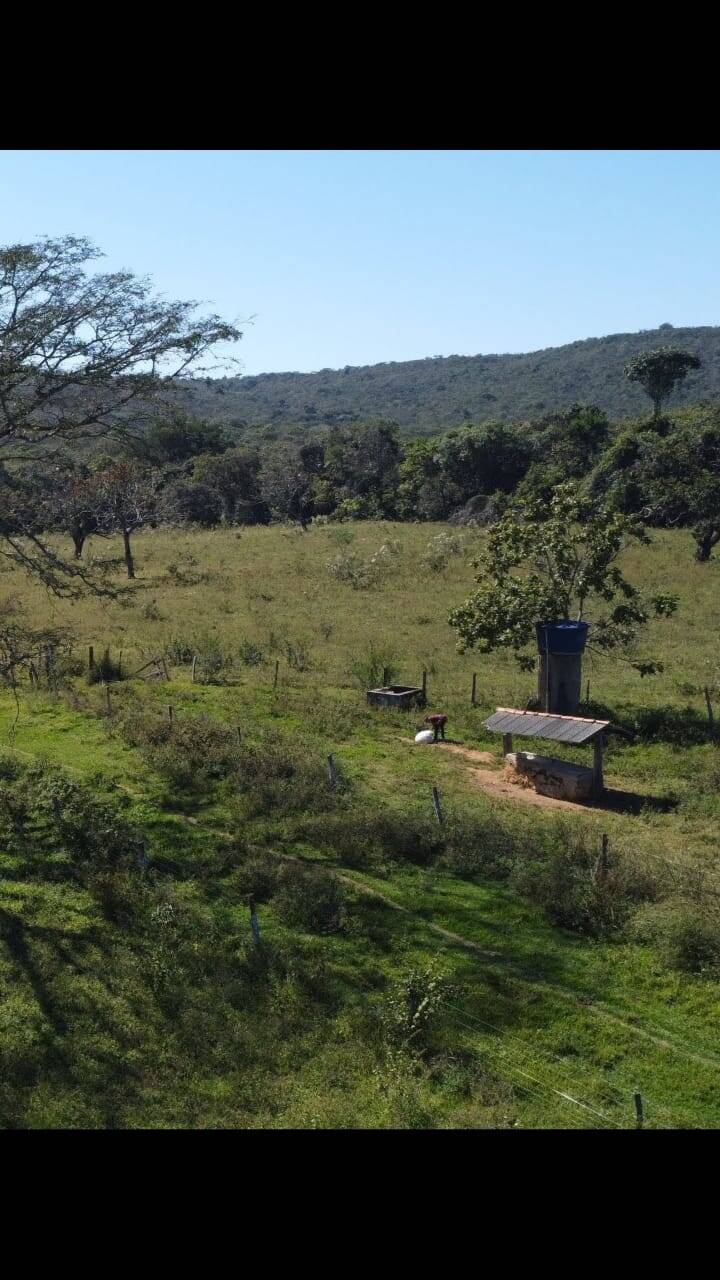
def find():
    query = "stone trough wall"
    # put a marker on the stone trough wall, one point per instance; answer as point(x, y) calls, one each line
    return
point(553, 777)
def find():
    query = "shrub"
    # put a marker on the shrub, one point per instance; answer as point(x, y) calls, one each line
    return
point(479, 846)
point(190, 752)
point(310, 897)
point(250, 654)
point(212, 660)
point(359, 837)
point(687, 934)
point(280, 772)
point(682, 726)
point(90, 829)
point(150, 611)
point(573, 892)
point(412, 1004)
point(258, 876)
point(179, 650)
point(361, 574)
point(297, 655)
point(368, 665)
point(439, 550)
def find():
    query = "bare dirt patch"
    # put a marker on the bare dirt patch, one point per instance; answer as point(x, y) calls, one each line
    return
point(498, 782)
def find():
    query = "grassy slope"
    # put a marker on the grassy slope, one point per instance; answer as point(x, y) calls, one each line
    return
point(433, 394)
point(542, 1012)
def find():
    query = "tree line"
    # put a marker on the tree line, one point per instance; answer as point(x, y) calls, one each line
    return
point(666, 471)
point(92, 442)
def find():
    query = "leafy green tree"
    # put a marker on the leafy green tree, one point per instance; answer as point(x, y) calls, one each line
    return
point(234, 476)
point(551, 562)
point(679, 482)
point(565, 446)
point(660, 371)
point(191, 504)
point(484, 460)
point(179, 437)
point(288, 483)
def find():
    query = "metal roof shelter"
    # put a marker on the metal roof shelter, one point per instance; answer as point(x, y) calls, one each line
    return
point(539, 724)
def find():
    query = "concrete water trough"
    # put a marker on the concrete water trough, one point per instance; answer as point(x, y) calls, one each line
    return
point(549, 775)
point(402, 696)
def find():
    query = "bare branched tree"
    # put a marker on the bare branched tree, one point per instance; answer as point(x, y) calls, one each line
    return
point(125, 501)
point(83, 353)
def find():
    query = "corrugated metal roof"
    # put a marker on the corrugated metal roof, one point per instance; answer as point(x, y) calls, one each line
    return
point(537, 724)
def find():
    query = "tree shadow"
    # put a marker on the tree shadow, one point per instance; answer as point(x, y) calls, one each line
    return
point(13, 931)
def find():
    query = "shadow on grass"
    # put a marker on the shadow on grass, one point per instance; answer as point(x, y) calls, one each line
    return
point(632, 802)
point(13, 932)
point(681, 726)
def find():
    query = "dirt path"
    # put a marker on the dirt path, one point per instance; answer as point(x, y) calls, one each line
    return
point(494, 782)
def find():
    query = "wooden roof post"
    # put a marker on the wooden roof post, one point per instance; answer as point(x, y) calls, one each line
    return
point(598, 781)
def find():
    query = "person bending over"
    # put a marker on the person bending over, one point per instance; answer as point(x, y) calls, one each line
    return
point(437, 724)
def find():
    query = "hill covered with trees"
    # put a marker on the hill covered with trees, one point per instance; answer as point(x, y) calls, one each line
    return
point(423, 396)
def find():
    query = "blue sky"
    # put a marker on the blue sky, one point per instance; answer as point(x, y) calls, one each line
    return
point(354, 257)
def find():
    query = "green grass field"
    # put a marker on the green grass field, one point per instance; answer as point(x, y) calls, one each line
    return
point(111, 1016)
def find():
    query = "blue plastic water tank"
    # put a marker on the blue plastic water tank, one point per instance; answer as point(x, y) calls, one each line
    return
point(561, 637)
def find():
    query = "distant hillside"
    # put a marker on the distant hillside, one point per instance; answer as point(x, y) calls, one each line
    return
point(441, 392)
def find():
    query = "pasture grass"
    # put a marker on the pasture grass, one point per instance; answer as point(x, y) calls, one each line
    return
point(168, 1017)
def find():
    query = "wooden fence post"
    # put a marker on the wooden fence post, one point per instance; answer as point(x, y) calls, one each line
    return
point(170, 713)
point(332, 771)
point(711, 717)
point(193, 669)
point(277, 668)
point(601, 867)
point(91, 660)
point(253, 919)
point(473, 698)
point(436, 806)
point(639, 1117)
point(424, 687)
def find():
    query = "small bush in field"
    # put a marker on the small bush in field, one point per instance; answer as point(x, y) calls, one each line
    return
point(368, 665)
point(310, 897)
point(191, 752)
point(91, 830)
point(687, 934)
point(280, 772)
point(439, 550)
point(479, 846)
point(250, 654)
point(412, 1005)
point(258, 875)
point(179, 650)
point(212, 660)
point(566, 883)
point(361, 837)
point(297, 655)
